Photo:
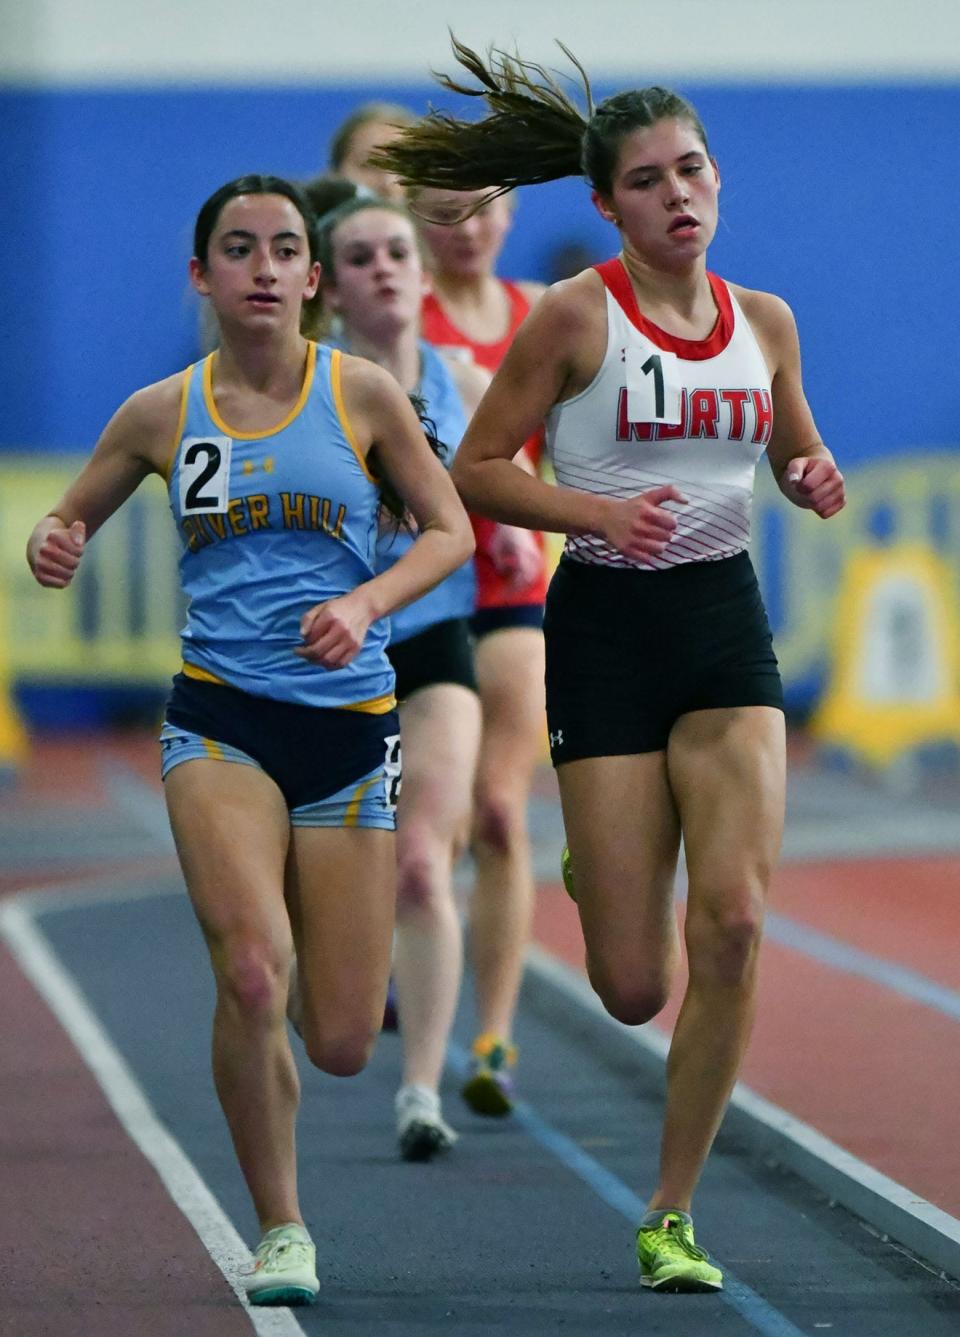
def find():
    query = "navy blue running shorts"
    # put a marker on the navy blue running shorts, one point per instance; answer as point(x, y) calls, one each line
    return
point(333, 767)
point(629, 651)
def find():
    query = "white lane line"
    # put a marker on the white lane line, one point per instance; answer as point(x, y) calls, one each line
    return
point(176, 1171)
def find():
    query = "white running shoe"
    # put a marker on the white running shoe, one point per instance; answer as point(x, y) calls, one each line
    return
point(284, 1269)
point(421, 1130)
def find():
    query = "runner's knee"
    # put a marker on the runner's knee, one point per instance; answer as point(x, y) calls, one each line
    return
point(628, 996)
point(722, 940)
point(252, 978)
point(500, 821)
point(341, 1050)
point(423, 872)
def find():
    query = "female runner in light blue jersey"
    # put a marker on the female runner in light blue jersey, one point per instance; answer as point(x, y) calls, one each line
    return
point(280, 747)
point(374, 281)
point(661, 386)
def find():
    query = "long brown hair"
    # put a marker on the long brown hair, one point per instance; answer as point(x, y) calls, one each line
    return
point(534, 130)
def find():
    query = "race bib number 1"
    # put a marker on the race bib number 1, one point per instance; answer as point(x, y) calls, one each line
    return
point(653, 385)
point(205, 475)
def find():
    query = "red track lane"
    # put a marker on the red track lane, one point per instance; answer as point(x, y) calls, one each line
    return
point(905, 910)
point(91, 1244)
point(67, 767)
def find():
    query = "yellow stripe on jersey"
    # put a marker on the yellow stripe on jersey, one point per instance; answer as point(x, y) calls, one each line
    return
point(200, 674)
point(336, 362)
point(377, 705)
point(181, 419)
point(270, 431)
point(353, 807)
point(214, 750)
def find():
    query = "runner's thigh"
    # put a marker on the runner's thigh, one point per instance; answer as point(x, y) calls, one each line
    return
point(440, 729)
point(727, 771)
point(231, 828)
point(510, 668)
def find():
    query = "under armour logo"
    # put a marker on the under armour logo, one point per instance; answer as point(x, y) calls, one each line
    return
point(556, 739)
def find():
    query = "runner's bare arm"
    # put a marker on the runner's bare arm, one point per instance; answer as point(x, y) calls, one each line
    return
point(803, 466)
point(137, 441)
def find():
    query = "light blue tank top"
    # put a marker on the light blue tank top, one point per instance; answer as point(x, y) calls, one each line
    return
point(456, 595)
point(272, 523)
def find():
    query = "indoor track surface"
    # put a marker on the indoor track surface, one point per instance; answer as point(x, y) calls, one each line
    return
point(125, 1213)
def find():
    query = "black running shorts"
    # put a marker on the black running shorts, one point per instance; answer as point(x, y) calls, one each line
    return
point(630, 651)
point(442, 653)
point(504, 617)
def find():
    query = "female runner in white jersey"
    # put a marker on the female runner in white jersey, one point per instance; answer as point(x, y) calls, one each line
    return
point(280, 748)
point(661, 385)
point(374, 281)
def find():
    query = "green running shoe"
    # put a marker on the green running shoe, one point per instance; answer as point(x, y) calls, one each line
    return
point(671, 1261)
point(566, 872)
point(284, 1270)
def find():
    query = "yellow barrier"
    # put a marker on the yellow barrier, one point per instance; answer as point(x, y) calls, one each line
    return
point(895, 686)
point(919, 495)
point(13, 738)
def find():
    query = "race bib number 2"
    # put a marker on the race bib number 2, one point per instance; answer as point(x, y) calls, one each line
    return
point(205, 475)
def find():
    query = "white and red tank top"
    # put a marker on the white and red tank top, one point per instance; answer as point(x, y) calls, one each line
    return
point(695, 413)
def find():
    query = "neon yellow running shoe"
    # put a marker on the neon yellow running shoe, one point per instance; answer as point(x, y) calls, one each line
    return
point(284, 1269)
point(566, 872)
point(489, 1088)
point(671, 1261)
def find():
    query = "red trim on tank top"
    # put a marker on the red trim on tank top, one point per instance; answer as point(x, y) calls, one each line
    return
point(438, 328)
point(617, 280)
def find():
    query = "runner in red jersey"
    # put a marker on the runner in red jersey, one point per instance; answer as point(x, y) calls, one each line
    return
point(473, 312)
point(497, 582)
